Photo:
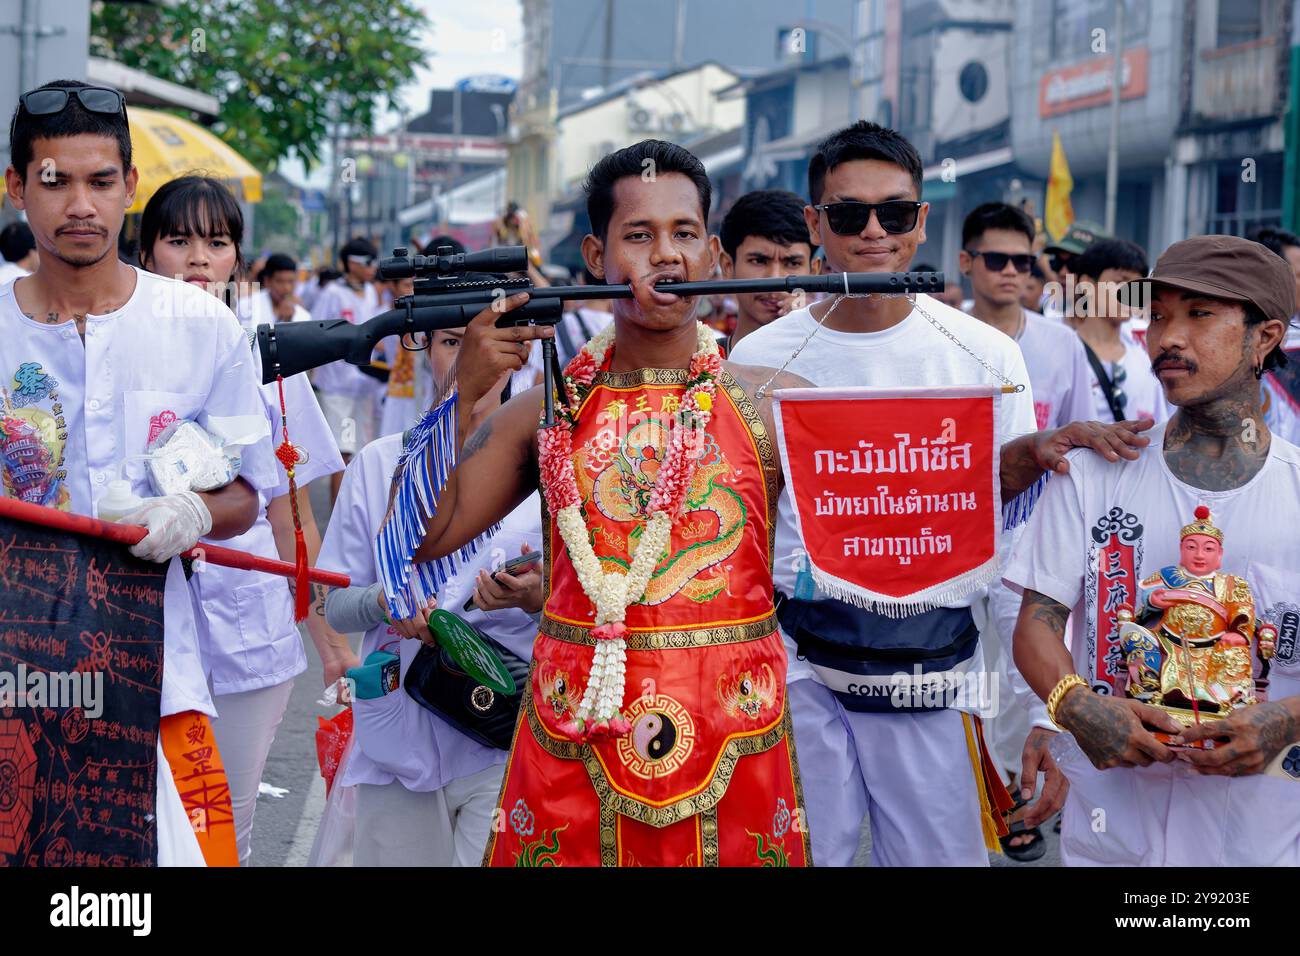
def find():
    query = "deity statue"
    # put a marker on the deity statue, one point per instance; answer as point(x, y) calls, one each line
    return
point(1188, 641)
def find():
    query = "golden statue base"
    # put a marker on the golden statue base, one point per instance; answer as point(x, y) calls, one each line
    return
point(1185, 717)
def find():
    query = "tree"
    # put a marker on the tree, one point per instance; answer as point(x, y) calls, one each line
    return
point(283, 70)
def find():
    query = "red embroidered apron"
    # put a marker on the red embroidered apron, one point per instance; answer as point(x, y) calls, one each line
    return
point(707, 776)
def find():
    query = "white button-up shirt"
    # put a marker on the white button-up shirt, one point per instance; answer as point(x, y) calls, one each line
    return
point(76, 415)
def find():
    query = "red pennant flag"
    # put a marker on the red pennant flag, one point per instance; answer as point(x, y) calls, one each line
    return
point(896, 491)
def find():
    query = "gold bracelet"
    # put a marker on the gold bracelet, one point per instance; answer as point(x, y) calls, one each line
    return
point(1063, 687)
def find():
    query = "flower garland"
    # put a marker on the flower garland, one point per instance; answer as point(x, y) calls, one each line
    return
point(600, 715)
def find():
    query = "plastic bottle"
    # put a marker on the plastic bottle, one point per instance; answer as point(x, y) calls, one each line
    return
point(118, 501)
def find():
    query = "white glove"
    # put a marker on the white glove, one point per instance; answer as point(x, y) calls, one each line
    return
point(175, 523)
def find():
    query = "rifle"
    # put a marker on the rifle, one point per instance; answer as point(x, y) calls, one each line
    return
point(451, 289)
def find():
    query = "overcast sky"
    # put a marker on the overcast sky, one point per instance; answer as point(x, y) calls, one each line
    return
point(467, 37)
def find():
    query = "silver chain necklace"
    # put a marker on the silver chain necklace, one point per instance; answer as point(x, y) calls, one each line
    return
point(762, 389)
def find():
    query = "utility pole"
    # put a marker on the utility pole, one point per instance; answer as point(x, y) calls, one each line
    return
point(679, 36)
point(1116, 84)
point(607, 76)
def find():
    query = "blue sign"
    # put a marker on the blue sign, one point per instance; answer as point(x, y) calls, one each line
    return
point(313, 200)
point(486, 83)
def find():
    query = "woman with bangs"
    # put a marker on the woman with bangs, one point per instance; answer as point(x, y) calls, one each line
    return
point(191, 230)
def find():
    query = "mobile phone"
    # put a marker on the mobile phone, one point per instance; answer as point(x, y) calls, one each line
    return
point(529, 558)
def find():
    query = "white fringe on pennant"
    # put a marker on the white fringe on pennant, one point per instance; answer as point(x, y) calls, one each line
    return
point(928, 599)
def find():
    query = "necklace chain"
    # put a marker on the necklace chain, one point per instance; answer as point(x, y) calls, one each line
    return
point(762, 390)
point(962, 345)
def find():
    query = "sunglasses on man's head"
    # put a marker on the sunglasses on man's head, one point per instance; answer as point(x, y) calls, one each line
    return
point(95, 99)
point(851, 217)
point(362, 260)
point(997, 261)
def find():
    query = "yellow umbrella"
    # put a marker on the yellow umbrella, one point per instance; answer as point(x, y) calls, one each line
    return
point(166, 146)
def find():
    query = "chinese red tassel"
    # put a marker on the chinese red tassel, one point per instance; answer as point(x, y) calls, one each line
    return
point(288, 456)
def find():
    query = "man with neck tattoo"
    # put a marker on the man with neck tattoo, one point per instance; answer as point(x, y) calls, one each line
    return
point(1219, 309)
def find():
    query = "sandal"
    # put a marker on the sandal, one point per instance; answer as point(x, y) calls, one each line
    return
point(1024, 852)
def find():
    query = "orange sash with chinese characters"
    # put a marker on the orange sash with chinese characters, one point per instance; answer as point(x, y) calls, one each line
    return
point(707, 775)
point(191, 750)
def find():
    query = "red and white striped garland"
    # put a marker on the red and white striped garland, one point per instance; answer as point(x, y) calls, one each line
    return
point(600, 713)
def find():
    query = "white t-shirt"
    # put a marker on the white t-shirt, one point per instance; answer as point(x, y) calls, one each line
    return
point(9, 271)
point(1058, 371)
point(1145, 395)
point(911, 353)
point(1059, 556)
point(397, 739)
point(338, 301)
point(258, 310)
point(246, 627)
point(308, 291)
point(171, 352)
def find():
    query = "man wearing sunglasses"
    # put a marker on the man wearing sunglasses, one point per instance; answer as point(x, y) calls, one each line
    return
point(911, 772)
point(349, 396)
point(997, 240)
point(95, 355)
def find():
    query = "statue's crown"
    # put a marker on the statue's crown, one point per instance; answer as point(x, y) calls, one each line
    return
point(1202, 525)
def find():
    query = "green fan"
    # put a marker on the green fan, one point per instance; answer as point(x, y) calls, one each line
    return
point(464, 645)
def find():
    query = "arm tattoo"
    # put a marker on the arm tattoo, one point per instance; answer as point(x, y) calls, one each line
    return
point(318, 605)
point(1051, 613)
point(476, 441)
point(1100, 726)
point(1276, 726)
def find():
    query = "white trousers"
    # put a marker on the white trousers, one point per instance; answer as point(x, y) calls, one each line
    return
point(911, 773)
point(1170, 815)
point(446, 827)
point(245, 729)
point(1017, 706)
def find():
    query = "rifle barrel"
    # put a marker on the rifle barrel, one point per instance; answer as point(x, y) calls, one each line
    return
point(854, 283)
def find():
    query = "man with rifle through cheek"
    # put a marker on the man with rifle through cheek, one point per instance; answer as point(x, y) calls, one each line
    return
point(654, 728)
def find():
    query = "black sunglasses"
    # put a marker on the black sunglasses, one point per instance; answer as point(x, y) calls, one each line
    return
point(1059, 260)
point(95, 99)
point(851, 217)
point(997, 261)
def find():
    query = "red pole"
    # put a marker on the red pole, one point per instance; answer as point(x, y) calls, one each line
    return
point(132, 533)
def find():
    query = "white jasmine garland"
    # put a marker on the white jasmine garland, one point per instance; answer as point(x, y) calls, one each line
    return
point(612, 592)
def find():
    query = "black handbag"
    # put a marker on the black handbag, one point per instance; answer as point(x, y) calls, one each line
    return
point(436, 683)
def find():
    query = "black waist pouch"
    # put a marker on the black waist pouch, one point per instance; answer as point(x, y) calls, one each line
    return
point(435, 683)
point(878, 664)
